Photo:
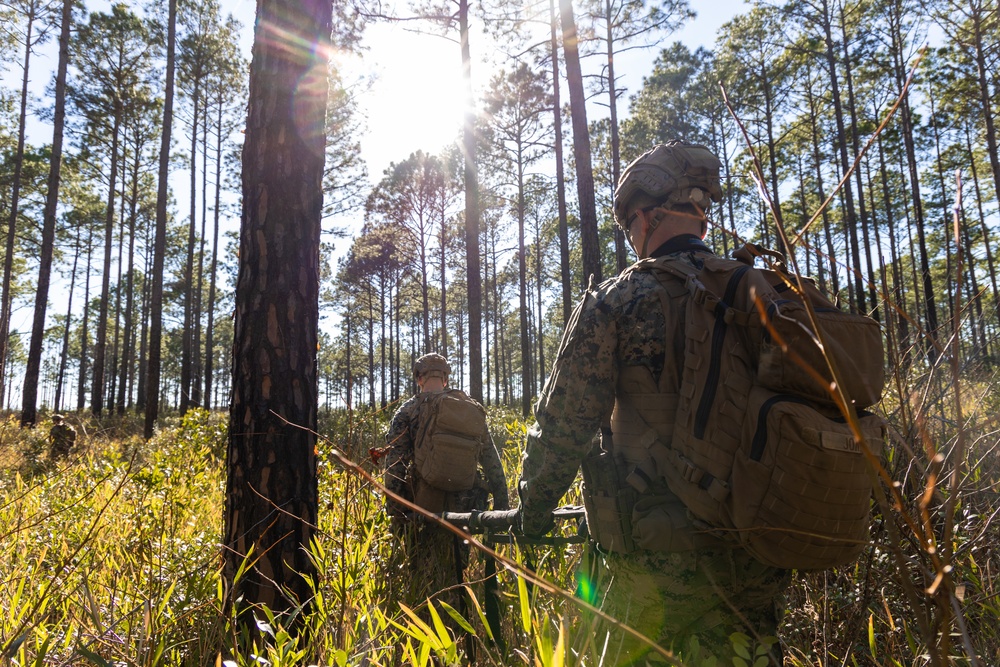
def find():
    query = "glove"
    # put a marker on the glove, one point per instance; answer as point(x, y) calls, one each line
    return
point(535, 525)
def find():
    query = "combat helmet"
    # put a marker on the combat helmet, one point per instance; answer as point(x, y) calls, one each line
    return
point(672, 173)
point(430, 365)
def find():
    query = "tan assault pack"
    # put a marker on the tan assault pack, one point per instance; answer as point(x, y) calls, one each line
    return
point(449, 439)
point(758, 450)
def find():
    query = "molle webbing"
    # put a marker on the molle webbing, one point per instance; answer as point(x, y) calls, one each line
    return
point(642, 422)
point(753, 443)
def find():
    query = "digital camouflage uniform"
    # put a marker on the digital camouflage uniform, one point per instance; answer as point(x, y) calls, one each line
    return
point(434, 557)
point(669, 596)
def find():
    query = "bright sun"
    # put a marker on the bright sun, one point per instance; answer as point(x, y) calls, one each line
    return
point(417, 100)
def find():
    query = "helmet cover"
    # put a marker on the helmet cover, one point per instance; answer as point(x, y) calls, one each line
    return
point(674, 173)
point(430, 365)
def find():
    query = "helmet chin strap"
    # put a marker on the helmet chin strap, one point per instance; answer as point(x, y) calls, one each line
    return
point(651, 223)
point(645, 246)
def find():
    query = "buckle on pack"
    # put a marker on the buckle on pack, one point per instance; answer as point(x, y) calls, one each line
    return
point(690, 473)
point(696, 288)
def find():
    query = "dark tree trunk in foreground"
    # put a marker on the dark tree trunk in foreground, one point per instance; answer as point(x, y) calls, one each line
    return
point(271, 489)
point(29, 405)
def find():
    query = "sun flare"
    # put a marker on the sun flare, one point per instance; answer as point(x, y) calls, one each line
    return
point(417, 100)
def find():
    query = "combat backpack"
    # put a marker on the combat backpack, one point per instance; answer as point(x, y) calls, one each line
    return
point(448, 440)
point(759, 452)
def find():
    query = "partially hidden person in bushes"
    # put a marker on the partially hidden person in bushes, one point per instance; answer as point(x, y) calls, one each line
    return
point(439, 455)
point(622, 350)
point(62, 437)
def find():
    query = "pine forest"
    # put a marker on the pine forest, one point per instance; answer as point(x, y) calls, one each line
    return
point(210, 276)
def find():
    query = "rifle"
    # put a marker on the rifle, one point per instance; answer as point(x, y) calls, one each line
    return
point(502, 526)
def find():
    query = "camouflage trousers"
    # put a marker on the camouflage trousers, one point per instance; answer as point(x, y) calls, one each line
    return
point(689, 602)
point(431, 558)
point(434, 560)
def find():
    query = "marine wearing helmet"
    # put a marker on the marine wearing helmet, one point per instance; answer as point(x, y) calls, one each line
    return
point(676, 176)
point(431, 365)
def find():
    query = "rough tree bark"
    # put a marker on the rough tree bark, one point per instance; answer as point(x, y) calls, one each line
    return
point(271, 488)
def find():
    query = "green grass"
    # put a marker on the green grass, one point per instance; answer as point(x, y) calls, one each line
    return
point(111, 556)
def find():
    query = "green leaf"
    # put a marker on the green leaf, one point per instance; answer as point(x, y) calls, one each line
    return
point(479, 611)
point(871, 636)
point(419, 630)
point(92, 657)
point(559, 654)
point(457, 617)
point(741, 650)
point(442, 632)
point(522, 595)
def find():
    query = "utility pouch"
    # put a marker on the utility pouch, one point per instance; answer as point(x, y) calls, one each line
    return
point(662, 523)
point(801, 485)
point(608, 502)
point(427, 496)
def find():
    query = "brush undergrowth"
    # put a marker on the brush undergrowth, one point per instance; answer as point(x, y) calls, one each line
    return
point(111, 557)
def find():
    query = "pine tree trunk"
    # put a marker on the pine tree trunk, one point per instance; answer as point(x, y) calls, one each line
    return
point(144, 324)
point(30, 392)
point(6, 298)
point(522, 294)
point(128, 354)
point(187, 335)
point(271, 487)
point(197, 380)
point(152, 393)
point(81, 394)
point(473, 277)
point(590, 245)
point(984, 228)
point(213, 271)
point(567, 289)
point(856, 146)
point(64, 353)
point(101, 344)
point(116, 339)
point(930, 306)
point(371, 349)
point(621, 253)
point(772, 155)
point(985, 98)
point(851, 219)
point(444, 287)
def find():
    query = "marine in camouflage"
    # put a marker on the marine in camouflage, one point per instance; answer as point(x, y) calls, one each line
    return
point(668, 596)
point(399, 458)
point(62, 437)
point(430, 558)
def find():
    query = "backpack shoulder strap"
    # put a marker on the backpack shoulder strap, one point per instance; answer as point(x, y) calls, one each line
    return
point(723, 306)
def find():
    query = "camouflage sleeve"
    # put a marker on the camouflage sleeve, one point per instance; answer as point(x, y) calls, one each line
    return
point(399, 441)
point(496, 479)
point(578, 397)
